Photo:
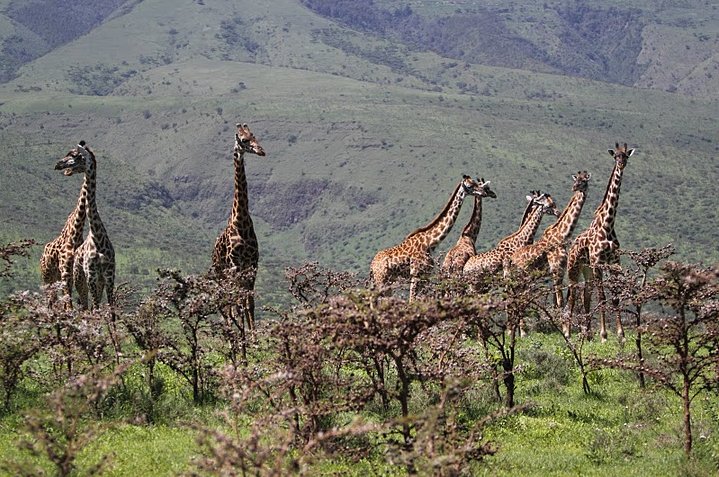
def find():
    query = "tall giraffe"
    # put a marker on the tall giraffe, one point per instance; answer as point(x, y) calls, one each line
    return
point(412, 257)
point(236, 247)
point(458, 255)
point(549, 252)
point(598, 245)
point(58, 256)
point(492, 261)
point(94, 267)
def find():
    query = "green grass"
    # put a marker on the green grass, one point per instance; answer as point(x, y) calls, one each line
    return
point(132, 450)
point(618, 430)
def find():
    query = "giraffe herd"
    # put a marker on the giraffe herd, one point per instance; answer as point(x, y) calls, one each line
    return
point(88, 265)
point(596, 246)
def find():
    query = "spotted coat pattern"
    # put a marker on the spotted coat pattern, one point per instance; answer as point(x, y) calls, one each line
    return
point(598, 245)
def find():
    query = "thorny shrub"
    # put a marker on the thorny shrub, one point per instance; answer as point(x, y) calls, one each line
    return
point(61, 431)
point(682, 336)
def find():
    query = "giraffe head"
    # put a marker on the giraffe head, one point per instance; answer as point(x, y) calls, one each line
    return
point(534, 194)
point(581, 181)
point(477, 188)
point(245, 141)
point(545, 201)
point(485, 191)
point(75, 161)
point(621, 154)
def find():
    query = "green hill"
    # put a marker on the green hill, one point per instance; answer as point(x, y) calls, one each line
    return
point(366, 135)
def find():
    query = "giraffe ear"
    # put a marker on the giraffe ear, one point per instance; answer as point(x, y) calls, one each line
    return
point(529, 198)
point(611, 152)
point(630, 152)
point(574, 177)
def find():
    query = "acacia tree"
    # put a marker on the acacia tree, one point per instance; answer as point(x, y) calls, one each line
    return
point(186, 345)
point(19, 340)
point(630, 285)
point(337, 357)
point(312, 284)
point(61, 430)
point(683, 337)
point(508, 302)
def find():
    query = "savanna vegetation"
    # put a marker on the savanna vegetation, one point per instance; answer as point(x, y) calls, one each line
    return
point(369, 116)
point(350, 380)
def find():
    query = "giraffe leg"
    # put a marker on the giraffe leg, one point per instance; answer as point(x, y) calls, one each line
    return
point(620, 327)
point(110, 284)
point(588, 275)
point(617, 310)
point(97, 301)
point(80, 279)
point(557, 295)
point(418, 270)
point(602, 298)
point(413, 287)
point(93, 282)
point(238, 316)
point(109, 279)
point(557, 264)
point(249, 302)
point(573, 282)
point(67, 279)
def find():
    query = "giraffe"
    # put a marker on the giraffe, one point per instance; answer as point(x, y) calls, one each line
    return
point(58, 256)
point(598, 245)
point(492, 261)
point(236, 247)
point(458, 255)
point(412, 257)
point(549, 252)
point(94, 267)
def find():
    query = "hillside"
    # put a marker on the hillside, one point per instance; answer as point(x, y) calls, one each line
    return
point(366, 137)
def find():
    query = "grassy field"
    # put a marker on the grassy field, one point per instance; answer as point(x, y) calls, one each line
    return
point(618, 430)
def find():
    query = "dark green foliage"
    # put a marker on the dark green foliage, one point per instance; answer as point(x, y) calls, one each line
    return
point(51, 24)
point(98, 80)
point(602, 44)
point(234, 33)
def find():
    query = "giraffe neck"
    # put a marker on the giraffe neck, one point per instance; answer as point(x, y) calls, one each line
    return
point(471, 230)
point(607, 211)
point(240, 206)
point(526, 231)
point(76, 221)
point(436, 231)
point(97, 228)
point(563, 228)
